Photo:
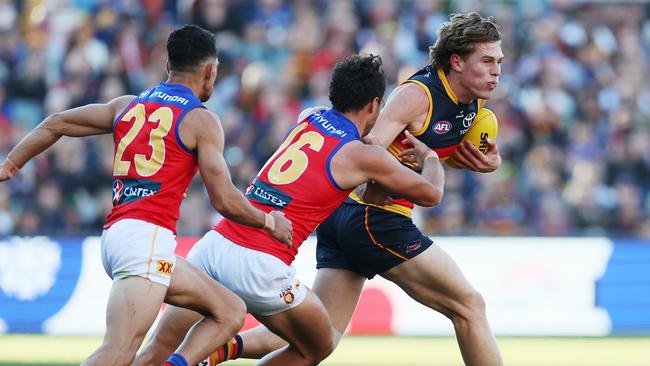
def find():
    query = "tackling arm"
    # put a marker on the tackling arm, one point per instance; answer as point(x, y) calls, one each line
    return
point(206, 136)
point(356, 163)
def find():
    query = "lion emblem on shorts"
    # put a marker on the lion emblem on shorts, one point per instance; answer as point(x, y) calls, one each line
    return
point(288, 297)
point(287, 293)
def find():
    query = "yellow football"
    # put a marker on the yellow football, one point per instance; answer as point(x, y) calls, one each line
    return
point(485, 126)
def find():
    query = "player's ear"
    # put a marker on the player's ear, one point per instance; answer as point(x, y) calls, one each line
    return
point(167, 67)
point(374, 105)
point(208, 69)
point(456, 62)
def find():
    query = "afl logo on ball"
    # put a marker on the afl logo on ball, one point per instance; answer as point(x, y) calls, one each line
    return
point(118, 188)
point(442, 127)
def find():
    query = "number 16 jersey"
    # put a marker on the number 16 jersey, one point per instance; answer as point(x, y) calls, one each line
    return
point(297, 181)
point(152, 167)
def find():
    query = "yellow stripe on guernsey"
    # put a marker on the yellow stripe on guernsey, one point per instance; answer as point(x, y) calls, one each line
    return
point(398, 209)
point(429, 112)
point(395, 150)
point(445, 83)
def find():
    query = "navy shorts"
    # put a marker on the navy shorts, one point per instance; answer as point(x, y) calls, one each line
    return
point(367, 240)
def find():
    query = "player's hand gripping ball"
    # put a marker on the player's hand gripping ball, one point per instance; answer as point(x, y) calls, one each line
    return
point(485, 126)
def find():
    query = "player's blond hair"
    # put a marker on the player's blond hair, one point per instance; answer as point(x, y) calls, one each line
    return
point(460, 35)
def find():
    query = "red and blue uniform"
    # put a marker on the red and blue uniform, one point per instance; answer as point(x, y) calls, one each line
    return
point(297, 181)
point(152, 167)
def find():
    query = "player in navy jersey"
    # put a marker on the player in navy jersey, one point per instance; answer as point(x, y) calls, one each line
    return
point(365, 237)
point(162, 138)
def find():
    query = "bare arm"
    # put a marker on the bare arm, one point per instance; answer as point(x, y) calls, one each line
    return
point(201, 130)
point(91, 119)
point(405, 109)
point(356, 163)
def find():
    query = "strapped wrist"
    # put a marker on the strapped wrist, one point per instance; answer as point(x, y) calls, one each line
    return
point(432, 154)
point(269, 222)
point(11, 167)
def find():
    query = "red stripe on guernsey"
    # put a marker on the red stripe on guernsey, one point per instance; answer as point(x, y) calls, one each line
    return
point(147, 150)
point(296, 177)
point(443, 152)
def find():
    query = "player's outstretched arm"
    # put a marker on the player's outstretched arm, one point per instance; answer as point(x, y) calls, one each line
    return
point(91, 119)
point(201, 130)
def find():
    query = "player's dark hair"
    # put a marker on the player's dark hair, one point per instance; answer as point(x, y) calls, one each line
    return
point(189, 46)
point(356, 81)
point(460, 35)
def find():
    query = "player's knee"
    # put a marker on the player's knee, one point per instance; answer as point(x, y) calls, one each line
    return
point(232, 317)
point(472, 305)
point(325, 348)
point(114, 356)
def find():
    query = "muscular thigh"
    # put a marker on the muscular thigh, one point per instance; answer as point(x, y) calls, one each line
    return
point(193, 289)
point(367, 240)
point(306, 326)
point(433, 278)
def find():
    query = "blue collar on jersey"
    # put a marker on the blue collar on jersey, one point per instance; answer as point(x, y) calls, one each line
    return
point(345, 120)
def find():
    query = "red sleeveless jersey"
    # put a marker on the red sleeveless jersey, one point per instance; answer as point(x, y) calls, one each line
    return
point(152, 168)
point(297, 180)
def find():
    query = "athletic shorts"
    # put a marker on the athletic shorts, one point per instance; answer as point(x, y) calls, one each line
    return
point(367, 240)
point(266, 284)
point(138, 248)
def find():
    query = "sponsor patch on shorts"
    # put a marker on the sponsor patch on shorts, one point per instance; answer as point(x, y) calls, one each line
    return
point(412, 246)
point(287, 293)
point(164, 267)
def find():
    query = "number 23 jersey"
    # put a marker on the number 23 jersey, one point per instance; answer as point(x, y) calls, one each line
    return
point(152, 167)
point(297, 181)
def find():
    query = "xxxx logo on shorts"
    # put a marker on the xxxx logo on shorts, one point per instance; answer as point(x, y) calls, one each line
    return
point(164, 267)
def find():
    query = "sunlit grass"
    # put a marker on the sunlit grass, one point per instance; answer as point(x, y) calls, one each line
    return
point(376, 351)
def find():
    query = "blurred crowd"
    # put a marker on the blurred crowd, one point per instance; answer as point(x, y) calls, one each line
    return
point(573, 102)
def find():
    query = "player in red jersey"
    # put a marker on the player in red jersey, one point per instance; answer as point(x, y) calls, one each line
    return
point(162, 137)
point(311, 173)
point(464, 70)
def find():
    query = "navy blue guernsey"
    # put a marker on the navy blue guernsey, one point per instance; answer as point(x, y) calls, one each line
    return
point(447, 119)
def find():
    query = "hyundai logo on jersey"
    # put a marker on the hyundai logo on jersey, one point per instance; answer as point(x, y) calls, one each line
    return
point(267, 195)
point(130, 190)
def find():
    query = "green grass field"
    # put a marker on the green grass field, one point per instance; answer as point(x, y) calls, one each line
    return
point(377, 351)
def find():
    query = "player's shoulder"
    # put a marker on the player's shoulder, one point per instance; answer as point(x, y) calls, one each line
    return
point(309, 111)
point(412, 92)
point(121, 102)
point(201, 118)
point(408, 100)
